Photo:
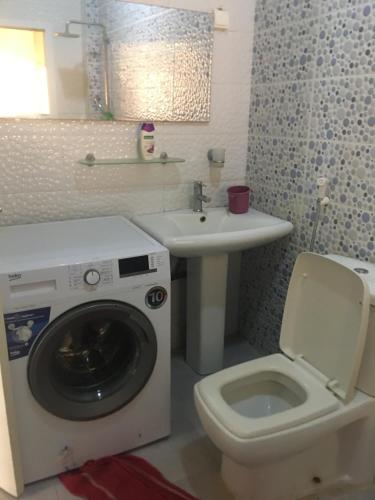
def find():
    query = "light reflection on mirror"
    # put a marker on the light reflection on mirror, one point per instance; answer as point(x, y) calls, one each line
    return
point(107, 59)
point(23, 82)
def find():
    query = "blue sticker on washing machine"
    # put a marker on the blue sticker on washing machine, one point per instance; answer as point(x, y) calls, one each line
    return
point(22, 329)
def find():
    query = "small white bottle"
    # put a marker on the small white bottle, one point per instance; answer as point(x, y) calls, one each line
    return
point(146, 143)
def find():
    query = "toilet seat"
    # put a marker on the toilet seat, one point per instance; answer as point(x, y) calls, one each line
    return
point(312, 398)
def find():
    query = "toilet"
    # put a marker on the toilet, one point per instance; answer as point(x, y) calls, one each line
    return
point(296, 423)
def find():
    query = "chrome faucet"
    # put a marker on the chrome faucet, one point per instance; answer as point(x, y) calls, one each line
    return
point(199, 197)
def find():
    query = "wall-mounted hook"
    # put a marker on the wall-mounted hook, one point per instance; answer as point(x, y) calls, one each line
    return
point(216, 156)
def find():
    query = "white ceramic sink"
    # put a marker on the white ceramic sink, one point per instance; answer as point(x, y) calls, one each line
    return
point(206, 239)
point(215, 231)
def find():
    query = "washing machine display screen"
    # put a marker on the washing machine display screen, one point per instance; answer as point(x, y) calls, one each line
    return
point(134, 265)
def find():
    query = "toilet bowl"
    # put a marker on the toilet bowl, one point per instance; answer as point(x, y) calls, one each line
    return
point(291, 424)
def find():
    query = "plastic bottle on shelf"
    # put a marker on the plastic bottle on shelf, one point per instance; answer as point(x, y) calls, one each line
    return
point(146, 143)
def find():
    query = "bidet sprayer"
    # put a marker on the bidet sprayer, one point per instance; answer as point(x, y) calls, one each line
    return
point(322, 185)
point(322, 201)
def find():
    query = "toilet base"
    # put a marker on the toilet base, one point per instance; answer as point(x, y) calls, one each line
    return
point(346, 457)
point(276, 482)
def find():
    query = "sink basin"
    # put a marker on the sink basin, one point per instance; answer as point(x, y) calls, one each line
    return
point(215, 231)
point(207, 238)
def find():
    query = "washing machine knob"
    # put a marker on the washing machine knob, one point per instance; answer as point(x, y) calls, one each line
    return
point(92, 277)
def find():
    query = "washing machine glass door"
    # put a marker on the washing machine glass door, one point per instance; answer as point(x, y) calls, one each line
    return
point(92, 360)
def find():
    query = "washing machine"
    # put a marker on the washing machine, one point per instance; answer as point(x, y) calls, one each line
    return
point(86, 308)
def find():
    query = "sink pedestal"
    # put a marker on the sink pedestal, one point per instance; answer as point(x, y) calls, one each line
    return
point(206, 300)
point(198, 237)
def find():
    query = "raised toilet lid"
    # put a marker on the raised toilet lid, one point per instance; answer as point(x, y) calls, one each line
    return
point(325, 320)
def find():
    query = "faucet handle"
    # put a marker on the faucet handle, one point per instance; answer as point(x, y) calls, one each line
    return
point(200, 183)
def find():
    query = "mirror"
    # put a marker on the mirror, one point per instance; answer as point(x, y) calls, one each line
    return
point(106, 60)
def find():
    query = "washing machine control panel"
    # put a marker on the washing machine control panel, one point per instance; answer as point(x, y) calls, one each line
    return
point(90, 275)
point(118, 272)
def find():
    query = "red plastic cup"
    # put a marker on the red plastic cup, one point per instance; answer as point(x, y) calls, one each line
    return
point(238, 197)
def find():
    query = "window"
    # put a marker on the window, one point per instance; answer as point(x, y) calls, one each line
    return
point(23, 81)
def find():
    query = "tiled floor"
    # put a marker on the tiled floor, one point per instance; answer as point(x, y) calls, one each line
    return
point(187, 457)
point(365, 493)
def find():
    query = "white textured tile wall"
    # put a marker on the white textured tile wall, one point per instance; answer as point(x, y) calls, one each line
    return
point(41, 180)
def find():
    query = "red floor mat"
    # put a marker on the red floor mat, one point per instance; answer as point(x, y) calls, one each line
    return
point(122, 477)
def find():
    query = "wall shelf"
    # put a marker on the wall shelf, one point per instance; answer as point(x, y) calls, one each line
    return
point(91, 161)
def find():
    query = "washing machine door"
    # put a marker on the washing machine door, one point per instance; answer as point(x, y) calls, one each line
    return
point(92, 360)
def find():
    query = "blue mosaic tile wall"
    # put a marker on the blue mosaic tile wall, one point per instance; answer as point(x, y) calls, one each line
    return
point(312, 114)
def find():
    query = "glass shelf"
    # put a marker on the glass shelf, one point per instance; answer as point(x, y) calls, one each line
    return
point(91, 161)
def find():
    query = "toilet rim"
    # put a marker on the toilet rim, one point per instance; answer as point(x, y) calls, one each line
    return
point(276, 446)
point(319, 400)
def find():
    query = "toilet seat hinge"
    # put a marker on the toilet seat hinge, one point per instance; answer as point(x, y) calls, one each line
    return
point(291, 355)
point(299, 360)
point(334, 386)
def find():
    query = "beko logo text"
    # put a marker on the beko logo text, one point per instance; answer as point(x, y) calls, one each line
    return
point(14, 276)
